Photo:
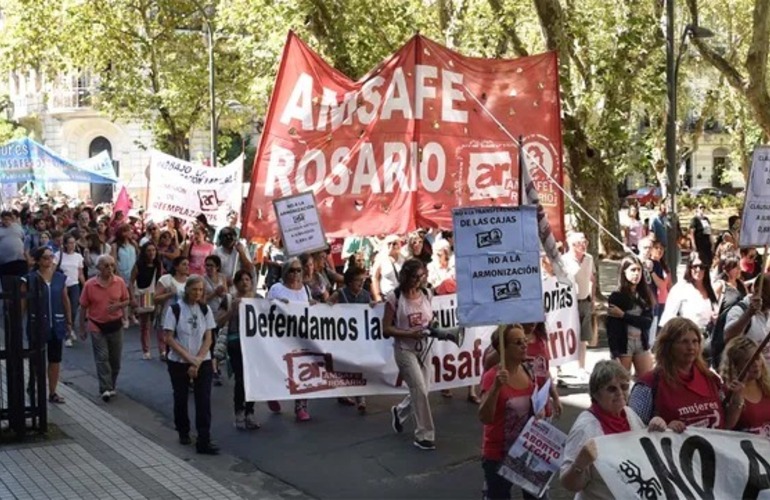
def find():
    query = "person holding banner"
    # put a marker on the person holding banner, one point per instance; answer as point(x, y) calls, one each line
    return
point(386, 270)
point(754, 397)
point(353, 293)
point(506, 406)
point(608, 414)
point(291, 288)
point(408, 312)
point(681, 391)
point(750, 317)
point(228, 315)
point(629, 318)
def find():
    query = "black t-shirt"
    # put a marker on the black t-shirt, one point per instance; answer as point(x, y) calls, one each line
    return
point(702, 228)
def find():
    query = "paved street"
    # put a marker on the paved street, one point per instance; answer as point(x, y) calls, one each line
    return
point(339, 454)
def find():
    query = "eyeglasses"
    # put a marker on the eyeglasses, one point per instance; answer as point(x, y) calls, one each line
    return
point(295, 270)
point(153, 229)
point(613, 389)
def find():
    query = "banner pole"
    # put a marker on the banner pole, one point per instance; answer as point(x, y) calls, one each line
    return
point(501, 344)
point(758, 291)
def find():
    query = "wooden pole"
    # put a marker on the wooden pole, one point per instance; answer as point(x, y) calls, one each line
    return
point(501, 345)
point(757, 291)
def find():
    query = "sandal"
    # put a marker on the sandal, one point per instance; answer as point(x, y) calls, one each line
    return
point(55, 398)
point(472, 398)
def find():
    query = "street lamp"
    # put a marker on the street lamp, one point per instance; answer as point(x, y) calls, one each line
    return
point(672, 73)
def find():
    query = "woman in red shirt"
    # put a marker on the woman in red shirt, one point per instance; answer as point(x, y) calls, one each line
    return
point(681, 391)
point(754, 398)
point(505, 407)
point(197, 250)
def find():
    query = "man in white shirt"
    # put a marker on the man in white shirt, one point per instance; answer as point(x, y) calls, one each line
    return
point(232, 253)
point(386, 267)
point(580, 266)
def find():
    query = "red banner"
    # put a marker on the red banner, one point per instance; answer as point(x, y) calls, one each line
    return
point(401, 147)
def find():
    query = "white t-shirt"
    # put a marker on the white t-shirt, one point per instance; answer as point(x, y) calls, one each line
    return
point(280, 291)
point(686, 301)
point(169, 283)
point(411, 313)
point(190, 329)
point(388, 273)
point(438, 274)
point(231, 262)
point(71, 263)
point(581, 272)
point(588, 427)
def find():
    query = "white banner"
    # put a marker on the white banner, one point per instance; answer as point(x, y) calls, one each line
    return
point(295, 351)
point(562, 321)
point(699, 463)
point(755, 223)
point(535, 457)
point(182, 189)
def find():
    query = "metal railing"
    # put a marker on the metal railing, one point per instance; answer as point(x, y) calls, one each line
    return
point(24, 406)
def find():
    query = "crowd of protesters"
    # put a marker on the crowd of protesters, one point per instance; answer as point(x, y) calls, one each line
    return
point(676, 351)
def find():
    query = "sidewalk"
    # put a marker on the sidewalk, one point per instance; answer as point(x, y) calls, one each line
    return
point(90, 453)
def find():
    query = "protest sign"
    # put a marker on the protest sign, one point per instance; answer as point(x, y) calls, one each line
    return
point(397, 149)
point(301, 230)
point(698, 463)
point(562, 321)
point(755, 223)
point(295, 351)
point(185, 190)
point(535, 457)
point(497, 259)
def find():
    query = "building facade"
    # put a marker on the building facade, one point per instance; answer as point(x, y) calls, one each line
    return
point(60, 114)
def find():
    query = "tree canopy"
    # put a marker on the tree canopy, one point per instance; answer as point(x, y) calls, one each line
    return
point(151, 59)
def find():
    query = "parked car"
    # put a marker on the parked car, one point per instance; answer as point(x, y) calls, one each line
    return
point(708, 191)
point(645, 197)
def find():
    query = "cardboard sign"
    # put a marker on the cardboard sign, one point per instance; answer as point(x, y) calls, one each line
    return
point(299, 224)
point(698, 463)
point(497, 258)
point(535, 457)
point(755, 222)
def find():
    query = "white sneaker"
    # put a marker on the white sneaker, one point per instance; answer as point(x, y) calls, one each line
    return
point(147, 356)
point(68, 343)
point(113, 393)
point(106, 395)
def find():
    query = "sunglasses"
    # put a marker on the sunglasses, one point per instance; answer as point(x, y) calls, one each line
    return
point(698, 267)
point(295, 270)
point(46, 257)
point(613, 389)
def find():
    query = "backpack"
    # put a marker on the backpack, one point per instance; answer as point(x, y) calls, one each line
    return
point(176, 310)
point(716, 338)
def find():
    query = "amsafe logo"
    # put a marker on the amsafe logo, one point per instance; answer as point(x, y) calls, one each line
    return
point(314, 372)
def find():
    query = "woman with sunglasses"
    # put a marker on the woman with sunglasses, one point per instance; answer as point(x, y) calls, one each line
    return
point(291, 288)
point(693, 297)
point(53, 315)
point(408, 311)
point(506, 406)
point(681, 391)
point(168, 250)
point(608, 414)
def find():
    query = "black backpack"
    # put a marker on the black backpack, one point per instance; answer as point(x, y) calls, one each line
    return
point(716, 338)
point(177, 311)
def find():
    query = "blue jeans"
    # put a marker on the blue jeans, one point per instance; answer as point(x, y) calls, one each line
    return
point(73, 293)
point(496, 487)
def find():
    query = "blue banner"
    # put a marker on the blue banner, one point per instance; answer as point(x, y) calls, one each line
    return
point(25, 160)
